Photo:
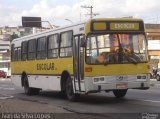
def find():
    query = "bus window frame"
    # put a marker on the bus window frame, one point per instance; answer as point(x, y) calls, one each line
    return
point(12, 52)
point(58, 43)
point(19, 51)
point(41, 50)
point(71, 46)
point(15, 54)
point(35, 40)
point(25, 52)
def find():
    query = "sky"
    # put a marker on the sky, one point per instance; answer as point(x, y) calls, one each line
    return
point(57, 11)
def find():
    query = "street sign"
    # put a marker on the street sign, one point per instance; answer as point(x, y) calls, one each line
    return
point(31, 22)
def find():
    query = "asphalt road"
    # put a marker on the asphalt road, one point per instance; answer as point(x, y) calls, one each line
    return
point(103, 105)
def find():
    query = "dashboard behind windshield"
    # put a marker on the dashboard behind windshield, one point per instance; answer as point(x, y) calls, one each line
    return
point(116, 49)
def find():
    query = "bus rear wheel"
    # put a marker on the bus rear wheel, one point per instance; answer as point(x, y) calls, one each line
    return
point(28, 90)
point(120, 93)
point(69, 90)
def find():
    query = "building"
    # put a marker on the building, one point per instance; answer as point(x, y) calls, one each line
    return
point(153, 34)
point(7, 34)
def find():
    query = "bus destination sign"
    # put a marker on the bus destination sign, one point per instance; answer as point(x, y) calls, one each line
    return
point(124, 26)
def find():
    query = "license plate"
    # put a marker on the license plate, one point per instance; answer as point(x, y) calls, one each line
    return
point(122, 86)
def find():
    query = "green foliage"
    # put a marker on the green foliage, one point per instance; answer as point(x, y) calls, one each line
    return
point(14, 36)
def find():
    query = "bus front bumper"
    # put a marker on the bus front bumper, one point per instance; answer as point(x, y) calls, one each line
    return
point(109, 83)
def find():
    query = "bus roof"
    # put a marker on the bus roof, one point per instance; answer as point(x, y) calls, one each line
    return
point(116, 19)
point(50, 31)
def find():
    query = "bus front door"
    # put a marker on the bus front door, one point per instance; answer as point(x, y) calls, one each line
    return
point(78, 63)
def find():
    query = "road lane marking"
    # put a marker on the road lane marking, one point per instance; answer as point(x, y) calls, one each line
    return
point(3, 96)
point(7, 88)
point(5, 79)
point(153, 79)
point(155, 101)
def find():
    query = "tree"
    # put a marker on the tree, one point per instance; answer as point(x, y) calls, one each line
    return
point(14, 35)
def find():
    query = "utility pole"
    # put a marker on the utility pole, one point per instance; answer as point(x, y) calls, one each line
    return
point(91, 11)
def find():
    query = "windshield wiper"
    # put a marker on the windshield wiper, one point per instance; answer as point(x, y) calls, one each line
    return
point(131, 59)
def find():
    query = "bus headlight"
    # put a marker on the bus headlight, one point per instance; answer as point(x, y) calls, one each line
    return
point(141, 78)
point(98, 79)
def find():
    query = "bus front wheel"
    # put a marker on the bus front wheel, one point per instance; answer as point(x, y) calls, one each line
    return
point(69, 90)
point(120, 93)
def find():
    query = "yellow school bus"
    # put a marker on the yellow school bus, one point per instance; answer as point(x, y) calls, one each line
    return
point(107, 54)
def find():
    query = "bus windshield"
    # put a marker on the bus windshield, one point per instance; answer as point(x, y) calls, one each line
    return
point(116, 49)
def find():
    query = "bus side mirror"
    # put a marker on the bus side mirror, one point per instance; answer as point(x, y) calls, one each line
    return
point(82, 42)
point(146, 36)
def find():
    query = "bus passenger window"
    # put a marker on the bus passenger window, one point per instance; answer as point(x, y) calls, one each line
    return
point(32, 49)
point(19, 54)
point(53, 46)
point(12, 52)
point(24, 50)
point(41, 48)
point(15, 54)
point(66, 43)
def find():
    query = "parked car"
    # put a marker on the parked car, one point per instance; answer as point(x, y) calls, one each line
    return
point(2, 74)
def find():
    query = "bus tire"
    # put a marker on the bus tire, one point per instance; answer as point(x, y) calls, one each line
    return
point(35, 91)
point(28, 90)
point(120, 93)
point(69, 90)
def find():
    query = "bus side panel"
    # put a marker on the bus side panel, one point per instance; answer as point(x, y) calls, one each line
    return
point(45, 82)
point(16, 80)
point(43, 74)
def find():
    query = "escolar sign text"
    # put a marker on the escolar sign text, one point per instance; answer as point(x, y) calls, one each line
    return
point(124, 26)
point(45, 66)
